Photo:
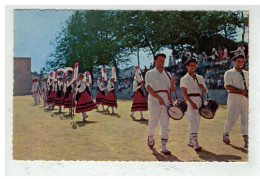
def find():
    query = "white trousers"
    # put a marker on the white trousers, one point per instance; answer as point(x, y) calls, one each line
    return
point(44, 98)
point(193, 115)
point(237, 105)
point(158, 113)
point(36, 97)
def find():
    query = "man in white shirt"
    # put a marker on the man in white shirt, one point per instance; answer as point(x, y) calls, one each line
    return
point(36, 92)
point(44, 91)
point(159, 86)
point(236, 82)
point(192, 85)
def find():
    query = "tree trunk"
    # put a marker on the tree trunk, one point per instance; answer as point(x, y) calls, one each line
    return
point(138, 60)
point(225, 30)
point(244, 28)
point(196, 45)
point(172, 46)
point(115, 65)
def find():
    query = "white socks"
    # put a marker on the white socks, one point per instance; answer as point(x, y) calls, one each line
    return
point(164, 142)
point(141, 114)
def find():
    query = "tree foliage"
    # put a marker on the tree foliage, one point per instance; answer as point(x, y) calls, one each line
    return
point(99, 38)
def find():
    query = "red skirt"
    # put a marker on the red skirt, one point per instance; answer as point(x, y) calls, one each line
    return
point(110, 100)
point(139, 102)
point(85, 103)
point(100, 97)
point(59, 100)
point(68, 103)
point(51, 98)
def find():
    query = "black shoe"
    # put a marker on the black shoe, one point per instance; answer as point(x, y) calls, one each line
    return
point(226, 138)
point(245, 141)
point(150, 144)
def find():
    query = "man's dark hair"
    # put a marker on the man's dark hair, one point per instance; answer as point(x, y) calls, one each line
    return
point(238, 56)
point(159, 55)
point(191, 60)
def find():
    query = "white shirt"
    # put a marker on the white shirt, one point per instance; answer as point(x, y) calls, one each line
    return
point(58, 85)
point(158, 81)
point(82, 86)
point(50, 84)
point(44, 87)
point(35, 87)
point(191, 85)
point(110, 86)
point(135, 85)
point(234, 78)
point(67, 84)
point(101, 86)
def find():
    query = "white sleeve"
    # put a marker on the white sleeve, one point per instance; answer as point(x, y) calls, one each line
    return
point(109, 87)
point(82, 87)
point(228, 79)
point(103, 88)
point(183, 83)
point(202, 81)
point(56, 86)
point(65, 88)
point(148, 79)
point(135, 86)
point(169, 86)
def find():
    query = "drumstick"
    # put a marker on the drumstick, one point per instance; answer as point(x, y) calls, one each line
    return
point(170, 80)
point(199, 86)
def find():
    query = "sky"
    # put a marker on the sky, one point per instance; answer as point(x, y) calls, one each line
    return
point(34, 29)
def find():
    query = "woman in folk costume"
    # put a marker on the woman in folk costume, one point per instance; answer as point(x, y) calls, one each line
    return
point(69, 98)
point(36, 92)
point(59, 92)
point(88, 82)
point(101, 88)
point(84, 101)
point(139, 101)
point(44, 92)
point(110, 99)
point(50, 91)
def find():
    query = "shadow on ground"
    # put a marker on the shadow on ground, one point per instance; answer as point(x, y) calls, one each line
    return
point(141, 121)
point(76, 124)
point(165, 158)
point(211, 157)
point(239, 148)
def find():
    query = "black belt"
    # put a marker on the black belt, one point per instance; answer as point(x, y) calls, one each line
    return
point(194, 94)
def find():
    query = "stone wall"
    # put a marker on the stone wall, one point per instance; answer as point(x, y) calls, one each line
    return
point(22, 76)
point(220, 95)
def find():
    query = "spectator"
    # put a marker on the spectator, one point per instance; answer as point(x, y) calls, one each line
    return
point(145, 70)
point(183, 57)
point(214, 54)
point(151, 66)
point(220, 54)
point(215, 82)
point(225, 56)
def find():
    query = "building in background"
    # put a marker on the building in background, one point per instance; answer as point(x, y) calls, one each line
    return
point(22, 76)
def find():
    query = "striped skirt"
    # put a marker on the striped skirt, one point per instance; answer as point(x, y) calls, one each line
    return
point(110, 100)
point(59, 100)
point(51, 98)
point(100, 97)
point(85, 103)
point(68, 103)
point(139, 102)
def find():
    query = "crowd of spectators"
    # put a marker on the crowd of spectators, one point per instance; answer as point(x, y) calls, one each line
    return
point(212, 67)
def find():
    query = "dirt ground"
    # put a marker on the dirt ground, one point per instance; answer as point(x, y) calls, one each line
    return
point(40, 134)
